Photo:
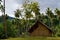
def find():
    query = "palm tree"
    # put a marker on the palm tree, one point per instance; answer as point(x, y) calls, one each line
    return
point(50, 16)
point(17, 15)
point(57, 11)
point(28, 14)
point(35, 8)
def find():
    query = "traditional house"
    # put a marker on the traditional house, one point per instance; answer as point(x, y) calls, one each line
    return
point(40, 29)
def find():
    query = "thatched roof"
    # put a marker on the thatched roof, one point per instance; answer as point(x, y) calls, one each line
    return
point(35, 26)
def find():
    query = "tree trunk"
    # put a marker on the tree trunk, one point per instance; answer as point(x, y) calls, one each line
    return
point(18, 28)
point(5, 27)
point(4, 24)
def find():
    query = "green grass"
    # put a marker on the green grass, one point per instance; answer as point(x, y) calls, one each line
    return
point(35, 38)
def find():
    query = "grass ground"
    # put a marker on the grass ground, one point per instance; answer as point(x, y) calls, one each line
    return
point(35, 38)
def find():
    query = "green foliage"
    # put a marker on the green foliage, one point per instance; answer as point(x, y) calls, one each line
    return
point(11, 29)
point(17, 13)
point(57, 11)
point(49, 13)
point(1, 6)
point(1, 30)
point(19, 27)
point(35, 8)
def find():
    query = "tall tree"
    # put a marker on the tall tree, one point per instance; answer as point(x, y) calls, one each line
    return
point(50, 16)
point(57, 11)
point(35, 8)
point(28, 14)
point(2, 7)
point(17, 15)
point(30, 7)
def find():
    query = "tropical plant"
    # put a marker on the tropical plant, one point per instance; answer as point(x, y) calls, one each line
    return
point(57, 11)
point(35, 8)
point(17, 15)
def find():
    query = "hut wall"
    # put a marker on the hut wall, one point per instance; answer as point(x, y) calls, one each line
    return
point(41, 31)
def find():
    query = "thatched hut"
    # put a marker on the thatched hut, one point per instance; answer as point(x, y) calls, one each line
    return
point(40, 29)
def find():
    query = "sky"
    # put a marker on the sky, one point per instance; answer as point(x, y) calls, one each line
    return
point(12, 5)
